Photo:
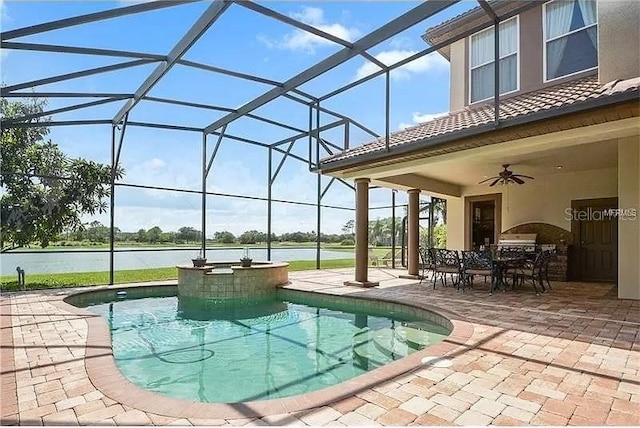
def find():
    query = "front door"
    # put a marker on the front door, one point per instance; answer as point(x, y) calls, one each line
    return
point(595, 228)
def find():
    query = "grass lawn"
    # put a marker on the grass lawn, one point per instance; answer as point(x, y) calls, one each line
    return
point(77, 279)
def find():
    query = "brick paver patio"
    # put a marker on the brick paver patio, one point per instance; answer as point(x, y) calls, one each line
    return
point(569, 357)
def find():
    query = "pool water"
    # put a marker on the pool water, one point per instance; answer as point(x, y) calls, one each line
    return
point(245, 351)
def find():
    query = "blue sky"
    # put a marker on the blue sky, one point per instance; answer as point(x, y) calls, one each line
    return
point(244, 41)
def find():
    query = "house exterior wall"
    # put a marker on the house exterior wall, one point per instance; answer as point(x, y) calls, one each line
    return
point(618, 35)
point(531, 72)
point(543, 200)
point(629, 228)
point(458, 81)
point(455, 222)
point(531, 67)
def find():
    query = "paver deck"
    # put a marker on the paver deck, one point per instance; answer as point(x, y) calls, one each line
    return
point(568, 357)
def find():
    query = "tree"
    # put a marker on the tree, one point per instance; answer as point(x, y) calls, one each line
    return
point(44, 191)
point(153, 235)
point(252, 237)
point(97, 232)
point(141, 235)
point(440, 232)
point(349, 227)
point(375, 231)
point(188, 234)
point(167, 237)
point(224, 237)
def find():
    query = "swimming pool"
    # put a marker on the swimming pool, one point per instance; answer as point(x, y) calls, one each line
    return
point(227, 352)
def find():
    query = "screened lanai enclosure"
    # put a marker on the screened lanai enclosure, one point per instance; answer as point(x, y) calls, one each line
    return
point(209, 101)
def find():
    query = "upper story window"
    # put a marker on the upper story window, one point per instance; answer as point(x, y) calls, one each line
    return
point(570, 36)
point(482, 61)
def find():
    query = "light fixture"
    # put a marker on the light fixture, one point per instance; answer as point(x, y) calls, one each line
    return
point(559, 167)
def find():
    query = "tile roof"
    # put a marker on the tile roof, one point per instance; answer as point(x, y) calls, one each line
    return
point(561, 95)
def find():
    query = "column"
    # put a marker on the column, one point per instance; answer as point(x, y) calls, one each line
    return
point(629, 220)
point(362, 234)
point(413, 231)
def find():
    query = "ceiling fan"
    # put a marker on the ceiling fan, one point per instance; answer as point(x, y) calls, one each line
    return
point(506, 177)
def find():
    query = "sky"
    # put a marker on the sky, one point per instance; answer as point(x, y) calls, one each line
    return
point(243, 41)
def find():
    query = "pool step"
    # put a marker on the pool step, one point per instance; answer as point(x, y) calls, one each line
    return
point(416, 338)
point(401, 341)
point(390, 344)
point(365, 353)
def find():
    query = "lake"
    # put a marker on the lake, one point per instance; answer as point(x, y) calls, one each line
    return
point(60, 262)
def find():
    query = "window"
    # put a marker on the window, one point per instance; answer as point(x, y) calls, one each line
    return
point(571, 37)
point(482, 61)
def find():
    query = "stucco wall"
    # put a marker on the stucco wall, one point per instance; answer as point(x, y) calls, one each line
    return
point(629, 229)
point(618, 35)
point(458, 90)
point(455, 220)
point(543, 200)
point(618, 38)
point(531, 65)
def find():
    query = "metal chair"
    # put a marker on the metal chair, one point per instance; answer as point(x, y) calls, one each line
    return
point(512, 269)
point(548, 256)
point(533, 271)
point(428, 264)
point(448, 263)
point(476, 263)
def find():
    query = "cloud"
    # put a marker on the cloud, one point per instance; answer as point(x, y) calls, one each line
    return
point(157, 172)
point(302, 41)
point(430, 62)
point(418, 117)
point(154, 163)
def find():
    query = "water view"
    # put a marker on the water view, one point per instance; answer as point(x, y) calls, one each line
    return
point(58, 262)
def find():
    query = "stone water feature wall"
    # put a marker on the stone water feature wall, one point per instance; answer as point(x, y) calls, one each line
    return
point(224, 280)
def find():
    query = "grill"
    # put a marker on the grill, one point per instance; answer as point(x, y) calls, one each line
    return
point(527, 241)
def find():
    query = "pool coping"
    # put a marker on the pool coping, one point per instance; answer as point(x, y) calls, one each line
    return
point(106, 377)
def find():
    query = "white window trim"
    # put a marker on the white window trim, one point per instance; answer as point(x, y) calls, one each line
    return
point(545, 41)
point(517, 53)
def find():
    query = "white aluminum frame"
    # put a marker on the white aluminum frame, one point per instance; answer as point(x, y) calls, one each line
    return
point(545, 41)
point(517, 53)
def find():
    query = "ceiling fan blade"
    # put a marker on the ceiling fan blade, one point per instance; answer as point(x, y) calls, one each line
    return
point(495, 182)
point(492, 178)
point(523, 176)
point(517, 180)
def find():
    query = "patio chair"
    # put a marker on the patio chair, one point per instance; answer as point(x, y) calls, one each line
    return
point(476, 263)
point(519, 256)
point(448, 263)
point(532, 271)
point(390, 256)
point(548, 256)
point(373, 258)
point(427, 264)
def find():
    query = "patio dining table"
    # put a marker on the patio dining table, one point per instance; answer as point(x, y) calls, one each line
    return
point(499, 266)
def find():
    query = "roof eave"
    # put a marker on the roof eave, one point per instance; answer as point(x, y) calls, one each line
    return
point(425, 143)
point(503, 8)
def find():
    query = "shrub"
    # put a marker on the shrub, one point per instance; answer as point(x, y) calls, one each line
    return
point(347, 242)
